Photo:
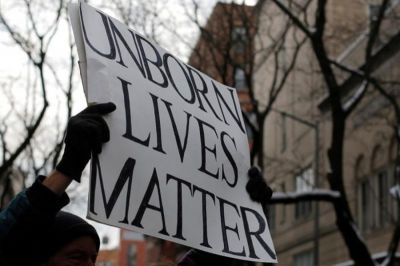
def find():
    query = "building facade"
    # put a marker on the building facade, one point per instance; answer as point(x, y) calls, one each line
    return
point(298, 135)
point(225, 50)
point(298, 131)
point(135, 249)
point(109, 257)
point(131, 251)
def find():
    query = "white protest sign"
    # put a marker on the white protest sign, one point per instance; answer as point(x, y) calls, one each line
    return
point(176, 165)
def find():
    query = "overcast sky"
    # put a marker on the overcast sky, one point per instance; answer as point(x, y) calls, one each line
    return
point(14, 66)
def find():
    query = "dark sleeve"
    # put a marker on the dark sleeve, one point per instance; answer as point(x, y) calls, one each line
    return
point(25, 218)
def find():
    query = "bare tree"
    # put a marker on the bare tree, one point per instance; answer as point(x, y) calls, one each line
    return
point(226, 50)
point(156, 20)
point(342, 79)
point(30, 141)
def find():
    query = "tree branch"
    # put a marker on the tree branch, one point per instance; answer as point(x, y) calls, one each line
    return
point(295, 19)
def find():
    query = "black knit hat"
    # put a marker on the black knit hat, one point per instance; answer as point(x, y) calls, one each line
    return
point(66, 228)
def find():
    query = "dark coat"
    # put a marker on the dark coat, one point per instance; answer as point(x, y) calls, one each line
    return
point(23, 222)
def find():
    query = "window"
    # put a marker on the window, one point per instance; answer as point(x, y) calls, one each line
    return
point(367, 209)
point(373, 13)
point(282, 59)
point(375, 203)
point(283, 206)
point(106, 263)
point(383, 198)
point(284, 133)
point(131, 259)
point(252, 119)
point(304, 182)
point(304, 259)
point(239, 38)
point(271, 216)
point(240, 79)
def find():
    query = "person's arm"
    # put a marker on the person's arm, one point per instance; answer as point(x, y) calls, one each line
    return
point(57, 182)
point(25, 218)
point(86, 133)
point(32, 210)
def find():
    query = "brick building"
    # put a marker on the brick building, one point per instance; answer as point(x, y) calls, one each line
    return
point(135, 249)
point(109, 257)
point(224, 49)
point(131, 251)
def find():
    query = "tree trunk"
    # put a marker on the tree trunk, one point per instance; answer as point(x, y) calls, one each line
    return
point(344, 220)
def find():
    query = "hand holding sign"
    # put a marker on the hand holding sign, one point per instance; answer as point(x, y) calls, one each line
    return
point(86, 133)
point(257, 188)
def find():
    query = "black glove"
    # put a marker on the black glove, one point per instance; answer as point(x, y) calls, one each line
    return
point(86, 132)
point(257, 188)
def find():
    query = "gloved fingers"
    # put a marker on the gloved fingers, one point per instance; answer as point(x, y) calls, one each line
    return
point(92, 131)
point(86, 132)
point(84, 149)
point(101, 109)
point(96, 144)
point(259, 193)
point(80, 130)
point(257, 188)
point(96, 123)
point(96, 135)
point(254, 172)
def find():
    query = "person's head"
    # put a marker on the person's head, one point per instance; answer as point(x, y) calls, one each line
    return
point(70, 241)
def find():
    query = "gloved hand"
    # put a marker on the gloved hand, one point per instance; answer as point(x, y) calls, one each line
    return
point(257, 188)
point(86, 132)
